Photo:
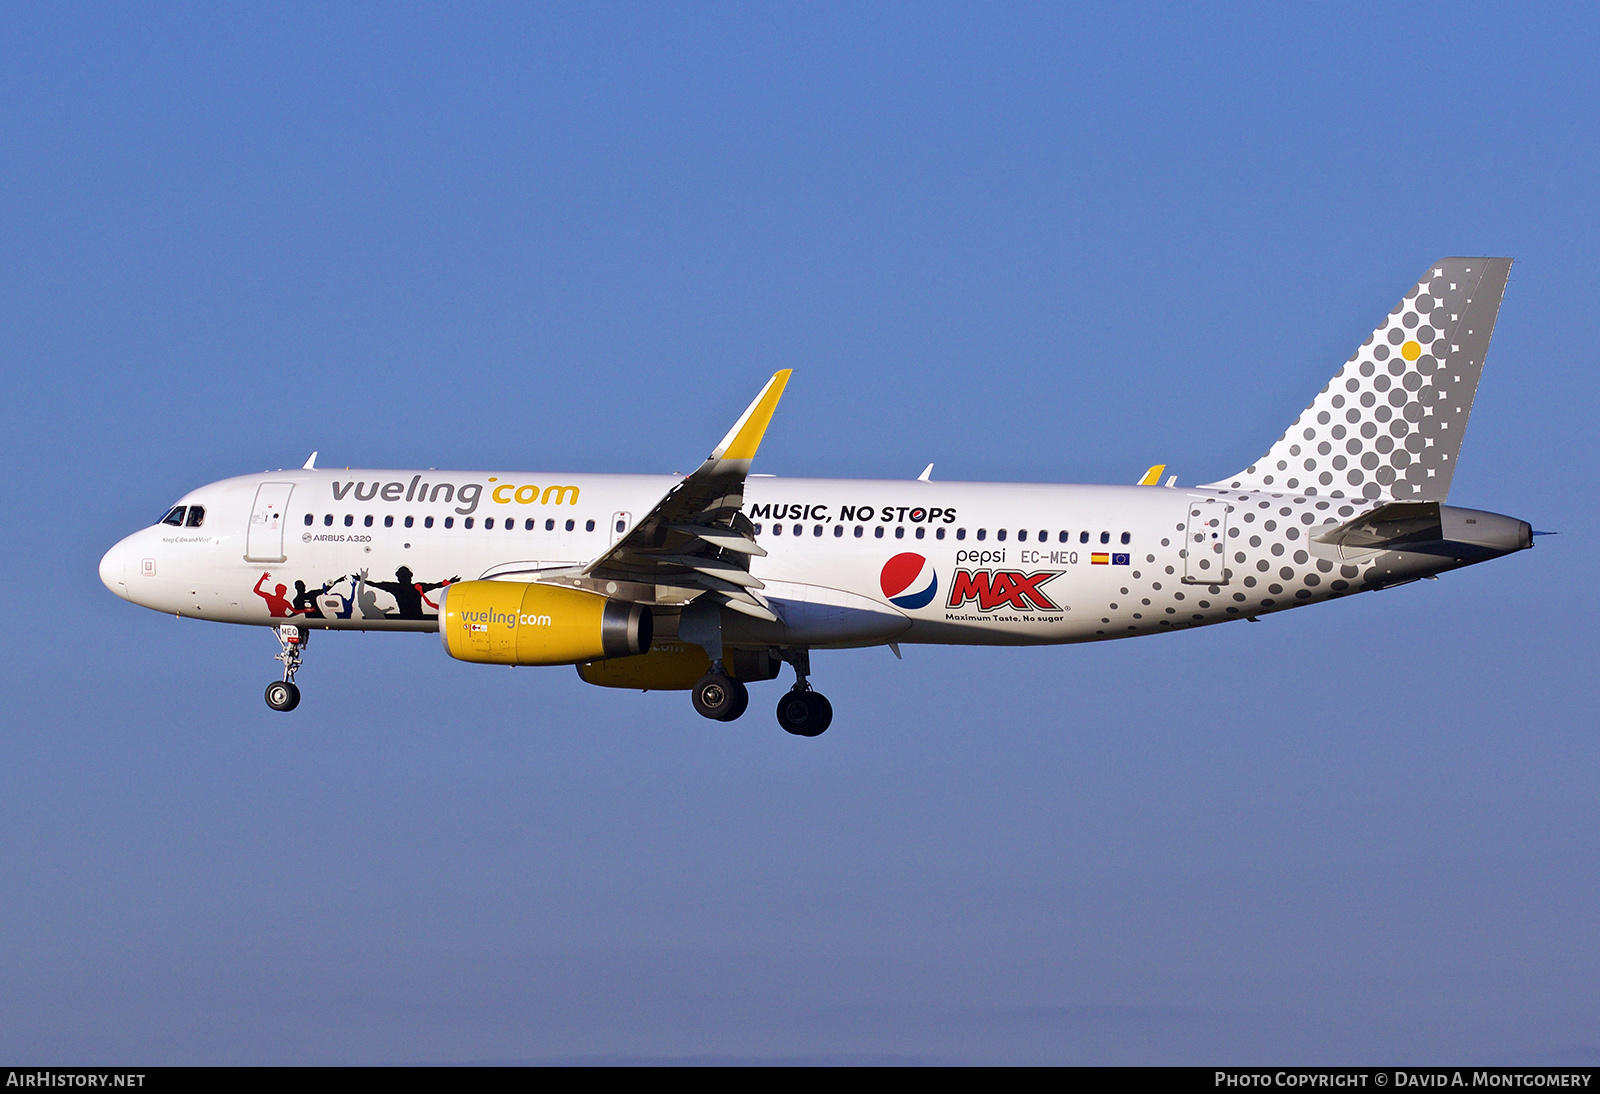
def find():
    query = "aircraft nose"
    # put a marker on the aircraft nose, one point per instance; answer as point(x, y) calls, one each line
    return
point(113, 570)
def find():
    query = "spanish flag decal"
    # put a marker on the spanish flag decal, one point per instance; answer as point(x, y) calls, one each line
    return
point(1100, 558)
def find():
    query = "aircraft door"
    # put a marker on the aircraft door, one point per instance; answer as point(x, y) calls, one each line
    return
point(264, 543)
point(620, 523)
point(1205, 556)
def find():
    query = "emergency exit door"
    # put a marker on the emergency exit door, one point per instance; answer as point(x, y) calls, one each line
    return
point(1205, 555)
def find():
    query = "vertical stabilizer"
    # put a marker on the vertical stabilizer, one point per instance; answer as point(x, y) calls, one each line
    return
point(1390, 422)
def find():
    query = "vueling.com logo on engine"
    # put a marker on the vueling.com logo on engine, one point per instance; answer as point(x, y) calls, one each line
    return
point(480, 621)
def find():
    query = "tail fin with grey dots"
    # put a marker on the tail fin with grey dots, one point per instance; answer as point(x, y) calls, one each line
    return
point(1390, 422)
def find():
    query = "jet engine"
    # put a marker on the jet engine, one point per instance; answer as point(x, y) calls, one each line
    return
point(676, 666)
point(512, 623)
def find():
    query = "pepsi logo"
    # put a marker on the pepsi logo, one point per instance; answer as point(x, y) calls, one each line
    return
point(909, 581)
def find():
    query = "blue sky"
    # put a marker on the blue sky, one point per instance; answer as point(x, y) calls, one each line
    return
point(1038, 243)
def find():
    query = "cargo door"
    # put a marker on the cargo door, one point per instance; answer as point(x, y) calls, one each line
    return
point(264, 543)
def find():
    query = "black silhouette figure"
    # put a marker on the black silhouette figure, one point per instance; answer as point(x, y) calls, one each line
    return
point(408, 593)
point(305, 602)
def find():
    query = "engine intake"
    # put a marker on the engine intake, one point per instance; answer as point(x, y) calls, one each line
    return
point(512, 623)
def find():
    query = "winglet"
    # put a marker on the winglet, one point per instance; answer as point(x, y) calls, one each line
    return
point(310, 464)
point(1152, 477)
point(745, 436)
point(927, 473)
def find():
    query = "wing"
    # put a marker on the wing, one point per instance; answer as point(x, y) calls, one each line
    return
point(696, 539)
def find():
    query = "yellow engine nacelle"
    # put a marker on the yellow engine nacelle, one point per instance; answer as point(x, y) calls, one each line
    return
point(511, 623)
point(675, 666)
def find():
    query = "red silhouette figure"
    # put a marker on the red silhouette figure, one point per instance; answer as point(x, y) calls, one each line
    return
point(278, 605)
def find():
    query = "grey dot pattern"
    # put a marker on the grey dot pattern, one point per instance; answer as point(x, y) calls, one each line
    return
point(1389, 424)
point(1272, 563)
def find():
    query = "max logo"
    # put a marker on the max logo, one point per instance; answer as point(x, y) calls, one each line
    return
point(1003, 589)
point(909, 581)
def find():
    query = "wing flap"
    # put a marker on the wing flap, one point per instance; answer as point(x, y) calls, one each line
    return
point(696, 537)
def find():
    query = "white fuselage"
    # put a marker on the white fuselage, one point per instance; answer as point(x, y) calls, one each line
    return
point(991, 563)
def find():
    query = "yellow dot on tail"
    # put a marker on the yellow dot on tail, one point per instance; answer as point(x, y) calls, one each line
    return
point(1411, 351)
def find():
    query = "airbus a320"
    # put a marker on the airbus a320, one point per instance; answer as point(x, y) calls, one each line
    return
point(715, 580)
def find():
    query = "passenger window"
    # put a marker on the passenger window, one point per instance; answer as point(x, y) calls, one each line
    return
point(777, 529)
point(1022, 535)
point(1126, 538)
point(1083, 537)
point(1065, 536)
point(938, 533)
point(349, 519)
point(922, 533)
point(588, 526)
point(858, 531)
point(1044, 536)
point(816, 530)
point(488, 522)
point(838, 530)
point(799, 531)
point(900, 532)
point(571, 525)
point(408, 521)
point(878, 531)
point(174, 517)
point(1105, 537)
point(427, 522)
point(549, 526)
point(388, 522)
point(327, 520)
point(983, 533)
point(961, 533)
point(529, 525)
point(309, 520)
point(1000, 535)
point(449, 522)
point(368, 521)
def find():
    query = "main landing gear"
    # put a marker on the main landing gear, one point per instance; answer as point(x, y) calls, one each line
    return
point(282, 694)
point(801, 711)
point(718, 696)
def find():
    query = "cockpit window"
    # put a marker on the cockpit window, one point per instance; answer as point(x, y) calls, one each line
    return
point(197, 516)
point(175, 517)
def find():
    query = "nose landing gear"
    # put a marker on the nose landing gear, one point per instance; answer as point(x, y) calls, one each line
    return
point(282, 694)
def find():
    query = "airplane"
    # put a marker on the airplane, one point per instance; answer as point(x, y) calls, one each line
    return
point(714, 580)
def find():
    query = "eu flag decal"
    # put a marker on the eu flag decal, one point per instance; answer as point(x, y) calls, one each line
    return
point(1119, 560)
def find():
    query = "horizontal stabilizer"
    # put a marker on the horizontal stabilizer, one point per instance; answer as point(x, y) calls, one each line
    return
point(1388, 526)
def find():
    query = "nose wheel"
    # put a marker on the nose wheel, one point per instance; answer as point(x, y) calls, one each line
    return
point(283, 694)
